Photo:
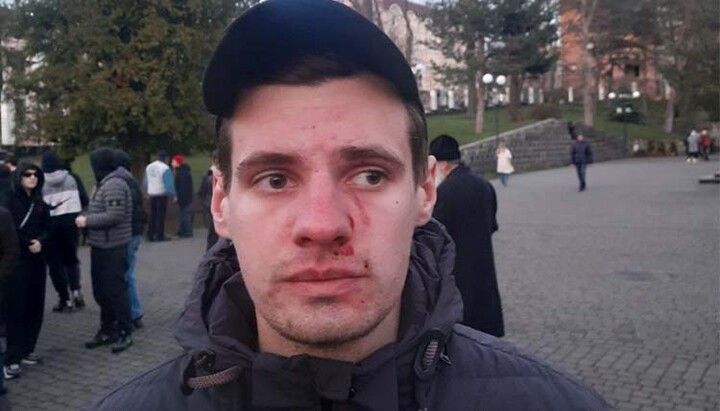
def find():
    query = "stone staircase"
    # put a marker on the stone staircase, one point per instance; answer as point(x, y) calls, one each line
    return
point(541, 145)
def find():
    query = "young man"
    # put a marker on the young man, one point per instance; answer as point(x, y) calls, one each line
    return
point(109, 223)
point(466, 206)
point(334, 290)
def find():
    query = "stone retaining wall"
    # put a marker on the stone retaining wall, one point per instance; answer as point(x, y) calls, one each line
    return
point(545, 144)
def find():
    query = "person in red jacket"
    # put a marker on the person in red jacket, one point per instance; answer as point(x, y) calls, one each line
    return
point(705, 144)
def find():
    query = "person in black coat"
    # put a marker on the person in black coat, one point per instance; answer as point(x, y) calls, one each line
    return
point(5, 178)
point(184, 189)
point(9, 253)
point(205, 195)
point(466, 205)
point(580, 156)
point(25, 286)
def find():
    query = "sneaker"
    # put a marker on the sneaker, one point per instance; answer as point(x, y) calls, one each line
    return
point(78, 299)
point(12, 371)
point(100, 340)
point(32, 359)
point(122, 344)
point(63, 306)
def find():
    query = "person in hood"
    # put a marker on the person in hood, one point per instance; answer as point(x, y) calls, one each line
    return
point(25, 286)
point(334, 288)
point(66, 197)
point(158, 184)
point(467, 207)
point(184, 189)
point(109, 223)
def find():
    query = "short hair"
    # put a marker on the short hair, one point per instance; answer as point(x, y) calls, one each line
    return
point(314, 70)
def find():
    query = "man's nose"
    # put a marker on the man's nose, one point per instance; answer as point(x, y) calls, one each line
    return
point(323, 216)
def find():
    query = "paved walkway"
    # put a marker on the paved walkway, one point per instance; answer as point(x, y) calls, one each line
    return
point(618, 285)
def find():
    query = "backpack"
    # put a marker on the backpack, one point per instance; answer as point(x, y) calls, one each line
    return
point(139, 218)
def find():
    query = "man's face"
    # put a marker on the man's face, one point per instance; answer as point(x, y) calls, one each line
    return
point(322, 206)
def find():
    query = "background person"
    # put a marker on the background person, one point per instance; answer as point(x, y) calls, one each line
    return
point(467, 206)
point(504, 163)
point(158, 185)
point(205, 195)
point(25, 287)
point(580, 156)
point(66, 198)
point(9, 253)
point(139, 219)
point(109, 222)
point(184, 189)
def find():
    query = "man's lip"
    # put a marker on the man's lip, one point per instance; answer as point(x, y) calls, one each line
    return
point(312, 275)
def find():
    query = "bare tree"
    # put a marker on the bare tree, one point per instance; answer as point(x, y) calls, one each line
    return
point(409, 35)
point(587, 14)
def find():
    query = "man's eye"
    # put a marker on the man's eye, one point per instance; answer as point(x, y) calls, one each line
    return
point(273, 182)
point(369, 178)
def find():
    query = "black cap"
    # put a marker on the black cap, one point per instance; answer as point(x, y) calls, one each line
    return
point(50, 162)
point(276, 34)
point(445, 148)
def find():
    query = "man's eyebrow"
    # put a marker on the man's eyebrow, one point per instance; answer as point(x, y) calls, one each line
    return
point(373, 152)
point(264, 158)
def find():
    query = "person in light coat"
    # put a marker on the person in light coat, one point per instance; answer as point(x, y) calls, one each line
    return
point(504, 165)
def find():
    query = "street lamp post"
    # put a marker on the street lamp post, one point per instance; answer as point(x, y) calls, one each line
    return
point(489, 79)
point(624, 109)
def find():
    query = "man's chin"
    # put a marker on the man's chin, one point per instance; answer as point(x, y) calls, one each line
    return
point(325, 328)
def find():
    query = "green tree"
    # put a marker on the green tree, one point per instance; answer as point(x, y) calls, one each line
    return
point(461, 28)
point(521, 45)
point(690, 39)
point(120, 72)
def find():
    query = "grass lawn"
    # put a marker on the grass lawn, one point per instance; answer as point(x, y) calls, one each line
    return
point(462, 127)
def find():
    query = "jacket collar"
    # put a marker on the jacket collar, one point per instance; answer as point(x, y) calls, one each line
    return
point(219, 317)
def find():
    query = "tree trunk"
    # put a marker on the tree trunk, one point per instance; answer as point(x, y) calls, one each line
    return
point(588, 8)
point(670, 112)
point(137, 166)
point(472, 96)
point(516, 83)
point(479, 106)
point(409, 35)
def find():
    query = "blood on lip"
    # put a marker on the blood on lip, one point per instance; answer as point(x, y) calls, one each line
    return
point(346, 250)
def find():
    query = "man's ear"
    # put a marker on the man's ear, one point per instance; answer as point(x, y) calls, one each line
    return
point(219, 205)
point(427, 193)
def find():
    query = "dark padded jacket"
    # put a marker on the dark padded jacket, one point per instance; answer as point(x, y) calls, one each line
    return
point(9, 248)
point(437, 364)
point(184, 185)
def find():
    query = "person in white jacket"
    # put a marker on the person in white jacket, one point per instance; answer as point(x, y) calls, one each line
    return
point(504, 165)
